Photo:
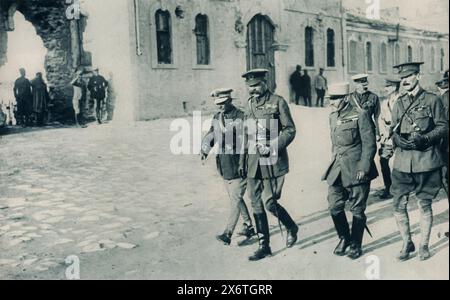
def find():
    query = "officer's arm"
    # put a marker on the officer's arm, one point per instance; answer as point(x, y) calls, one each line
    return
point(440, 120)
point(368, 141)
point(287, 130)
point(376, 113)
point(208, 140)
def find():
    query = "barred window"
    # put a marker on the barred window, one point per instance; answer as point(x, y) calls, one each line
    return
point(202, 35)
point(309, 46)
point(397, 56)
point(330, 48)
point(383, 58)
point(369, 58)
point(433, 60)
point(353, 54)
point(442, 60)
point(163, 37)
point(410, 54)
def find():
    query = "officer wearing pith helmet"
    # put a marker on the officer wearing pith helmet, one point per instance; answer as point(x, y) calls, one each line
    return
point(269, 131)
point(419, 123)
point(227, 131)
point(351, 170)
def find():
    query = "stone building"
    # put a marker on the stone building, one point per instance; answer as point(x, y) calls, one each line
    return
point(166, 56)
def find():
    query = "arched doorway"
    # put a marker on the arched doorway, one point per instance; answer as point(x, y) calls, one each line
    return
point(57, 34)
point(260, 50)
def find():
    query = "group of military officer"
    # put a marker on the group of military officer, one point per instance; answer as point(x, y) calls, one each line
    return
point(411, 126)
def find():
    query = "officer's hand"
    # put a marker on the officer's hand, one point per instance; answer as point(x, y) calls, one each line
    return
point(264, 150)
point(420, 142)
point(242, 172)
point(361, 176)
point(403, 143)
point(203, 156)
point(378, 138)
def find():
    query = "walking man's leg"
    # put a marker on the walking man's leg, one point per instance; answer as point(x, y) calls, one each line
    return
point(271, 194)
point(255, 187)
point(236, 189)
point(337, 195)
point(358, 198)
point(402, 185)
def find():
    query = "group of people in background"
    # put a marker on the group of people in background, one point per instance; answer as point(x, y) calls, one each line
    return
point(31, 105)
point(91, 90)
point(302, 85)
point(32, 100)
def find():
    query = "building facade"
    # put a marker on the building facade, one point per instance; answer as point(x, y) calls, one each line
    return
point(165, 56)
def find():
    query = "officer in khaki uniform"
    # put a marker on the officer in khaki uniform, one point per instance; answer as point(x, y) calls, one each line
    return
point(351, 170)
point(363, 98)
point(269, 131)
point(227, 131)
point(419, 123)
point(386, 152)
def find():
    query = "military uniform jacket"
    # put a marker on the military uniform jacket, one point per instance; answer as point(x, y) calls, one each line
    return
point(369, 102)
point(269, 107)
point(354, 146)
point(385, 119)
point(426, 116)
point(227, 130)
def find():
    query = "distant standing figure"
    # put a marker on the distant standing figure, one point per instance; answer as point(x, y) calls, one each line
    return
point(77, 84)
point(320, 83)
point(40, 98)
point(22, 93)
point(111, 98)
point(296, 83)
point(97, 87)
point(306, 88)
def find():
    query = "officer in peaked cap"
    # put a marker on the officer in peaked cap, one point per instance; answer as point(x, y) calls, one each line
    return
point(269, 131)
point(352, 168)
point(363, 98)
point(420, 124)
point(226, 131)
point(392, 92)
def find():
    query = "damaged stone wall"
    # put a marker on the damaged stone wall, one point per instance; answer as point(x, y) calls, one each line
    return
point(49, 19)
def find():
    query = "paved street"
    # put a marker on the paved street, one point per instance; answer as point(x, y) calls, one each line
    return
point(116, 197)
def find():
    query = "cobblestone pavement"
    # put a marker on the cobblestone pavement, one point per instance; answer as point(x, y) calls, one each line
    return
point(115, 196)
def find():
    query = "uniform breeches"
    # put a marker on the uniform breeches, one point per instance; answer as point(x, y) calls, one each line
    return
point(357, 195)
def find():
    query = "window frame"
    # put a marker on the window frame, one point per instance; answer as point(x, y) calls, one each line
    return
point(384, 68)
point(206, 35)
point(366, 57)
point(333, 43)
point(309, 32)
point(350, 69)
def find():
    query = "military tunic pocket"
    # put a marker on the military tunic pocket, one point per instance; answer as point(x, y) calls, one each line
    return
point(347, 133)
point(423, 118)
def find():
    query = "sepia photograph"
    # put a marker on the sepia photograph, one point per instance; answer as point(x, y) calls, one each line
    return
point(219, 140)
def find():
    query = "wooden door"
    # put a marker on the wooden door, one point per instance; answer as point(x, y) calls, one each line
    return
point(260, 50)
